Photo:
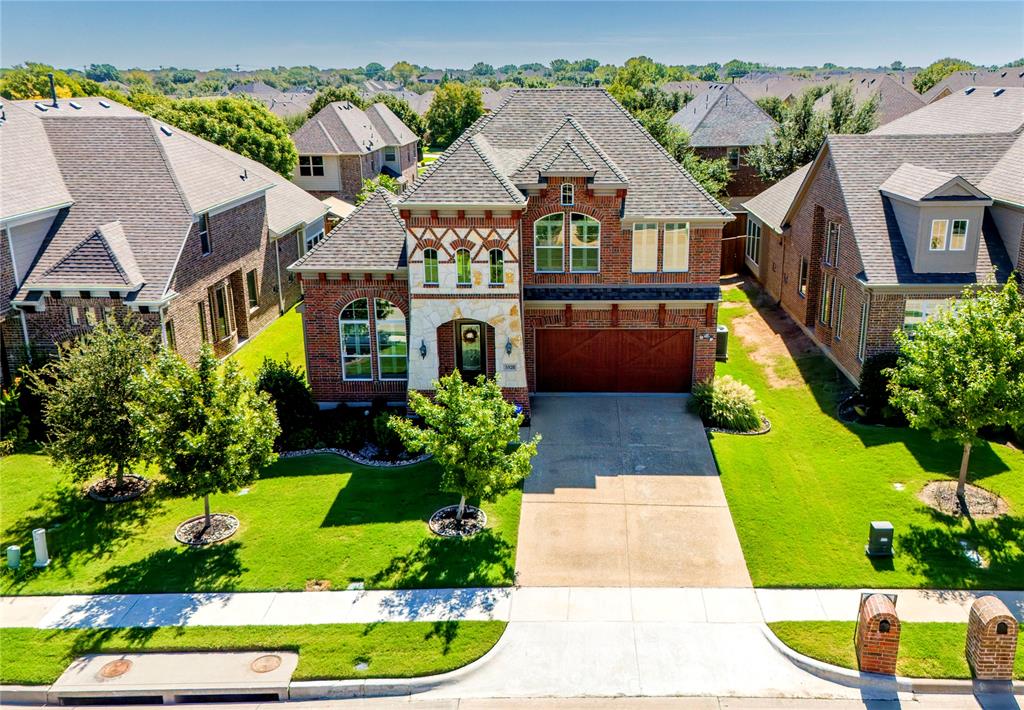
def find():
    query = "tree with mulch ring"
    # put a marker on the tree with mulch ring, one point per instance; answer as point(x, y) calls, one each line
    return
point(962, 370)
point(473, 434)
point(211, 432)
point(93, 407)
point(944, 497)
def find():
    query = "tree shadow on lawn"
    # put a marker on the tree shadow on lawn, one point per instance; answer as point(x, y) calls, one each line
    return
point(393, 495)
point(182, 568)
point(483, 560)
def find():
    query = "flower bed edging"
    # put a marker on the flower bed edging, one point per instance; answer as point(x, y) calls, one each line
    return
point(352, 456)
point(767, 427)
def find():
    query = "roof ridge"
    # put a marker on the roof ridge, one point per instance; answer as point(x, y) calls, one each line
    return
point(327, 135)
point(568, 144)
point(511, 189)
point(550, 136)
point(599, 150)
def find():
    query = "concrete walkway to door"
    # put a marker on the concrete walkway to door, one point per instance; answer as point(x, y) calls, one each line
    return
point(625, 493)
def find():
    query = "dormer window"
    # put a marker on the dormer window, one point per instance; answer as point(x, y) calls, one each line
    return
point(938, 235)
point(568, 196)
point(958, 235)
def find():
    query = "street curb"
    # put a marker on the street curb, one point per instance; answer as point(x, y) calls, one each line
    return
point(886, 683)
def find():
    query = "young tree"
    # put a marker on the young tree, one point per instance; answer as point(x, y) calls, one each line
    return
point(403, 72)
point(454, 109)
point(371, 185)
point(93, 405)
point(209, 429)
point(468, 429)
point(937, 71)
point(963, 369)
point(32, 81)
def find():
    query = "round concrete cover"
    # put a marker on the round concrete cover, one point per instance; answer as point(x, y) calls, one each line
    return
point(265, 664)
point(116, 669)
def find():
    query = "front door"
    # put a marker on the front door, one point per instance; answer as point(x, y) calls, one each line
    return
point(470, 350)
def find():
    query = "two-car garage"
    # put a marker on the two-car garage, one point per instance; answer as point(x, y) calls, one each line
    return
point(614, 360)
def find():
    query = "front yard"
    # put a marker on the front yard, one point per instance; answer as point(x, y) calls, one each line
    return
point(803, 495)
point(311, 518)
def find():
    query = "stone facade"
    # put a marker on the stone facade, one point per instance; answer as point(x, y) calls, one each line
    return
point(991, 639)
point(878, 635)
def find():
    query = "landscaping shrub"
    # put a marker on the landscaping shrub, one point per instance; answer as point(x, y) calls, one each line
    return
point(342, 428)
point(13, 421)
point(726, 403)
point(293, 400)
point(874, 388)
point(384, 436)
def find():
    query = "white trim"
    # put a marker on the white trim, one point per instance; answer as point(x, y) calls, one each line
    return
point(945, 235)
point(375, 343)
point(572, 194)
point(231, 204)
point(561, 247)
point(341, 339)
point(24, 335)
point(16, 220)
point(490, 274)
point(967, 231)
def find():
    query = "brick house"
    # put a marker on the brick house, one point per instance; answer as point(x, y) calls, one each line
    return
point(882, 230)
point(106, 211)
point(342, 145)
point(555, 245)
point(722, 122)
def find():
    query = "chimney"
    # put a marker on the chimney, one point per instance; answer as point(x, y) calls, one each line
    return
point(53, 91)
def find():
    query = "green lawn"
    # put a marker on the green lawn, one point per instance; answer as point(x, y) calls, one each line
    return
point(803, 495)
point(927, 650)
point(391, 650)
point(280, 339)
point(319, 517)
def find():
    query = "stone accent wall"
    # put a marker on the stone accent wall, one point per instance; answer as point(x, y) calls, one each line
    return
point(878, 635)
point(324, 300)
point(744, 181)
point(991, 639)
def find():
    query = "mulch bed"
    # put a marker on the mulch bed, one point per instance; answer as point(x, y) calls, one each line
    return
point(107, 490)
point(443, 521)
point(766, 426)
point(194, 531)
point(383, 461)
point(941, 495)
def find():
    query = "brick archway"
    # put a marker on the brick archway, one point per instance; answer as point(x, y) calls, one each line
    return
point(447, 347)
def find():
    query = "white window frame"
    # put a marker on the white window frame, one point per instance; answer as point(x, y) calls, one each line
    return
point(644, 227)
point(568, 189)
point(469, 268)
point(952, 234)
point(839, 305)
point(437, 269)
point(73, 316)
point(835, 231)
point(491, 266)
point(377, 321)
point(825, 303)
point(927, 307)
point(314, 240)
point(205, 243)
point(394, 154)
point(229, 314)
point(560, 246)
point(311, 163)
point(91, 319)
point(862, 336)
point(945, 235)
point(590, 221)
point(252, 290)
point(669, 261)
point(752, 248)
point(342, 322)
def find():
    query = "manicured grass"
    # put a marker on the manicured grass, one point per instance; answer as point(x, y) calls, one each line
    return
point(927, 650)
point(280, 339)
point(391, 650)
point(803, 495)
point(319, 517)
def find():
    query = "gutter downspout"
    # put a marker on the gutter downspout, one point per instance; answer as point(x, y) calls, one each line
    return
point(280, 291)
point(24, 335)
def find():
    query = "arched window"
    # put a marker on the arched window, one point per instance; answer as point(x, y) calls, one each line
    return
point(392, 341)
point(585, 243)
point(430, 266)
point(496, 260)
point(548, 241)
point(355, 341)
point(463, 272)
point(567, 194)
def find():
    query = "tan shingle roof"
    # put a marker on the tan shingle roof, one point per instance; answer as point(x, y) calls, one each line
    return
point(30, 180)
point(1005, 181)
point(772, 205)
point(894, 99)
point(339, 128)
point(980, 111)
point(724, 116)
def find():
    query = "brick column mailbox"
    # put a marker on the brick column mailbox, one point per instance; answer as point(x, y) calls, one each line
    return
point(878, 635)
point(991, 639)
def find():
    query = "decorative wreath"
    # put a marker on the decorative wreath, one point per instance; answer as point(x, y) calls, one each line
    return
point(469, 336)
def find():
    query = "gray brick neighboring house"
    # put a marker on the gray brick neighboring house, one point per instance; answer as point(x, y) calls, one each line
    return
point(883, 229)
point(342, 145)
point(105, 211)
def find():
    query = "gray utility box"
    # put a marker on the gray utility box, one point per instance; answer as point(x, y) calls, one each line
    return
point(722, 344)
point(879, 539)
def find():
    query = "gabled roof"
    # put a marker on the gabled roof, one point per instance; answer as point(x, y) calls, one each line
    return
point(1005, 182)
point(983, 110)
point(894, 99)
point(917, 183)
point(339, 128)
point(569, 133)
point(105, 255)
point(30, 180)
point(723, 116)
point(372, 238)
point(390, 126)
point(507, 138)
point(957, 81)
point(771, 205)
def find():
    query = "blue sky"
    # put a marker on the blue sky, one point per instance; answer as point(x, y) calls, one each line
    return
point(339, 34)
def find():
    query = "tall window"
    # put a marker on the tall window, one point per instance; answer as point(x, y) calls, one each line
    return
point(753, 245)
point(917, 310)
point(392, 341)
point(90, 317)
point(548, 242)
point(734, 158)
point(172, 342)
point(73, 315)
point(832, 244)
point(568, 196)
point(355, 341)
point(311, 165)
point(204, 234)
point(862, 337)
point(645, 247)
point(958, 235)
point(676, 256)
point(801, 287)
point(250, 288)
point(430, 266)
point(390, 154)
point(825, 306)
point(463, 270)
point(840, 303)
point(938, 236)
point(585, 243)
point(223, 319)
point(496, 262)
point(203, 333)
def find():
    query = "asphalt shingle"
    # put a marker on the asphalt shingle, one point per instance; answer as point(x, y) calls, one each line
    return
point(772, 205)
point(372, 238)
point(724, 116)
point(983, 110)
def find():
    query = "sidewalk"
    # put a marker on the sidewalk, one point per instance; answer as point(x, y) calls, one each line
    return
point(525, 604)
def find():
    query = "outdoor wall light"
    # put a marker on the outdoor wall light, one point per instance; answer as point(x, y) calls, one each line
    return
point(423, 349)
point(508, 346)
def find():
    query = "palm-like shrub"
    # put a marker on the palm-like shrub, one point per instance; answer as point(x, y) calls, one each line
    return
point(726, 403)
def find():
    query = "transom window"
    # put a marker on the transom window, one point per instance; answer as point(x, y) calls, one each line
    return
point(549, 240)
point(463, 270)
point(958, 235)
point(645, 247)
point(676, 256)
point(311, 165)
point(938, 236)
point(752, 247)
point(496, 262)
point(355, 341)
point(568, 194)
point(392, 341)
point(430, 275)
point(585, 243)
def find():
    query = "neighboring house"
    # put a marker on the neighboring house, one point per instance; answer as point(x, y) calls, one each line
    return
point(723, 122)
point(693, 88)
point(958, 81)
point(342, 145)
point(282, 104)
point(894, 99)
point(105, 211)
point(431, 77)
point(555, 245)
point(973, 110)
point(782, 86)
point(883, 229)
point(255, 88)
point(376, 86)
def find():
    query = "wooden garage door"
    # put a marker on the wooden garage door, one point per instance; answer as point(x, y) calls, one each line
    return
point(576, 360)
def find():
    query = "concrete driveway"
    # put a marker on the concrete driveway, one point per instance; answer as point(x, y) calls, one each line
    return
point(625, 493)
